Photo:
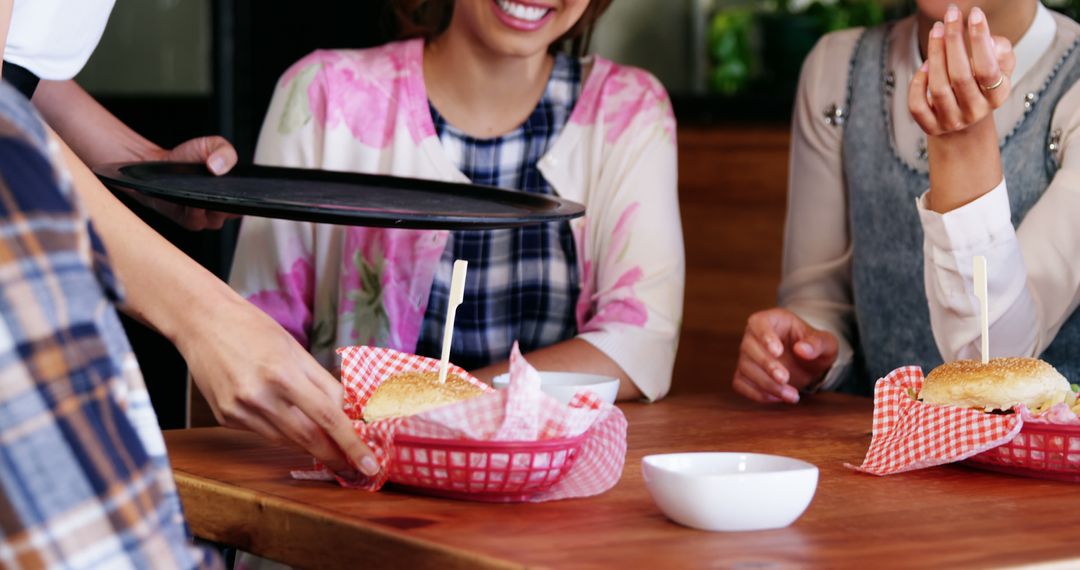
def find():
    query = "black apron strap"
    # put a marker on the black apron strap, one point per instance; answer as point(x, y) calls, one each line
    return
point(20, 78)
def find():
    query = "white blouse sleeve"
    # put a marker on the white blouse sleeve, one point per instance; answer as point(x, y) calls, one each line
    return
point(816, 281)
point(950, 243)
point(1033, 272)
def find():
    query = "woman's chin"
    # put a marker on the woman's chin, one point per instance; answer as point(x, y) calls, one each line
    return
point(935, 9)
point(514, 45)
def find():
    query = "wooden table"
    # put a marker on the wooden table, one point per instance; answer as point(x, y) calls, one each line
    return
point(236, 490)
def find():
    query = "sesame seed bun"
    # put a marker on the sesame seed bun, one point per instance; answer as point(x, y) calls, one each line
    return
point(410, 393)
point(1001, 384)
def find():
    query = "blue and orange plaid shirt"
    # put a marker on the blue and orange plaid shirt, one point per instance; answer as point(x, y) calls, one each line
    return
point(84, 480)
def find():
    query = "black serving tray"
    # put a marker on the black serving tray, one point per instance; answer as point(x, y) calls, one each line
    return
point(345, 198)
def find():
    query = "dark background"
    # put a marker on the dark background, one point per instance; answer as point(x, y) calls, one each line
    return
point(251, 49)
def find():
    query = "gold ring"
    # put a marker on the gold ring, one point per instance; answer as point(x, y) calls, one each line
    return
point(995, 85)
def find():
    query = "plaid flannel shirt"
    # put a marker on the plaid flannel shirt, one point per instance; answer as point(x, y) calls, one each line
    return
point(84, 480)
point(523, 282)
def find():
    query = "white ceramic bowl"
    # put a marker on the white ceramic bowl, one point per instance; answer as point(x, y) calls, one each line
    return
point(563, 385)
point(730, 491)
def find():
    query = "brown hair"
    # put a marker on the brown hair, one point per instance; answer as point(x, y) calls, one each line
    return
point(429, 18)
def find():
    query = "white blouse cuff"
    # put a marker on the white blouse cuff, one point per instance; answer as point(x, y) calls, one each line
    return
point(844, 353)
point(837, 373)
point(973, 226)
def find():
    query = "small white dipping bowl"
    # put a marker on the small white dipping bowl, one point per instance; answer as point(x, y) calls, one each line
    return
point(563, 385)
point(730, 491)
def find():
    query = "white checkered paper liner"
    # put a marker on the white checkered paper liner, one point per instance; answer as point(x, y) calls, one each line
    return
point(909, 434)
point(521, 412)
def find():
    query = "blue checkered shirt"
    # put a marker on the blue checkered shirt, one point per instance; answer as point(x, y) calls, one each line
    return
point(523, 282)
point(84, 480)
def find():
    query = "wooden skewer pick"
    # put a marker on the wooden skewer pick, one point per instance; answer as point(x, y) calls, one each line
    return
point(457, 293)
point(984, 307)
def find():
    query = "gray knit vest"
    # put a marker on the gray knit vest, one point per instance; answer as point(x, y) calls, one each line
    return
point(892, 317)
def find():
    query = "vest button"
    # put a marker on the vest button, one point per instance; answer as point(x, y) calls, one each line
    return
point(835, 115)
point(1029, 100)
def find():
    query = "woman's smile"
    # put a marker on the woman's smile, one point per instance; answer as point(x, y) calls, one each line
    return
point(522, 16)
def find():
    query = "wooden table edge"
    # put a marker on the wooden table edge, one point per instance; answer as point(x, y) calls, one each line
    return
point(223, 513)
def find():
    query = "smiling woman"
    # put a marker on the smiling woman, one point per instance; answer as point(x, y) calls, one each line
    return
point(483, 91)
point(893, 192)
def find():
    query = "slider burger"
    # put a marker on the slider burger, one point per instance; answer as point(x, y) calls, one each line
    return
point(410, 393)
point(999, 385)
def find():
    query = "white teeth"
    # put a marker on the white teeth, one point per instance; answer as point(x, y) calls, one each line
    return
point(521, 11)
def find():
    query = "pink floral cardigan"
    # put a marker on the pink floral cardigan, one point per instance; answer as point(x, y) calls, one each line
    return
point(367, 111)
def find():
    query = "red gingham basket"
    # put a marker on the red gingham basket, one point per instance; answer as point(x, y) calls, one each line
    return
point(516, 445)
point(1046, 451)
point(491, 471)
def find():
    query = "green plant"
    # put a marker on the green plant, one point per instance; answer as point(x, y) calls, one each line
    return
point(731, 51)
point(843, 14)
point(787, 30)
point(1070, 8)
